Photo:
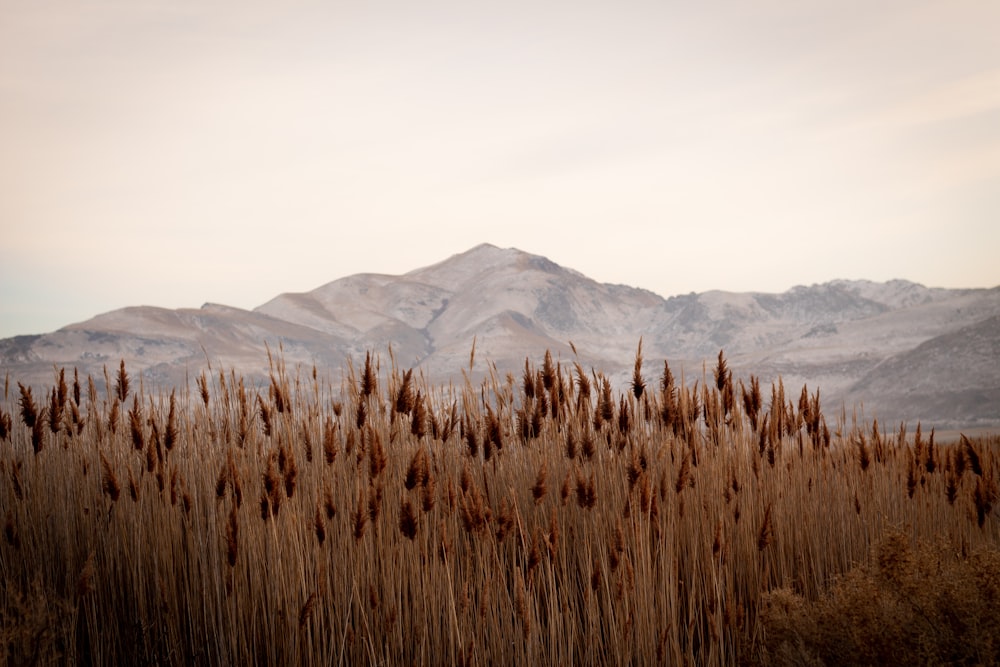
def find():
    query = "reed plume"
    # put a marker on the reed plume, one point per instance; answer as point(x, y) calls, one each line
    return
point(319, 525)
point(109, 481)
point(638, 383)
point(407, 520)
point(122, 383)
point(5, 425)
point(55, 411)
point(766, 533)
point(360, 516)
point(29, 411)
point(170, 434)
point(418, 470)
point(539, 489)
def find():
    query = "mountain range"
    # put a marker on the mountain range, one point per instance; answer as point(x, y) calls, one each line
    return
point(902, 350)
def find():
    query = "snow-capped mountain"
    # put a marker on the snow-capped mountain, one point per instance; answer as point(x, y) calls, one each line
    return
point(906, 351)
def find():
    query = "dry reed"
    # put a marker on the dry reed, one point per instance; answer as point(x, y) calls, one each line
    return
point(696, 523)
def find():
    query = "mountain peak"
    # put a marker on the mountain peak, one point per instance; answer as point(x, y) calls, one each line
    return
point(464, 266)
point(487, 252)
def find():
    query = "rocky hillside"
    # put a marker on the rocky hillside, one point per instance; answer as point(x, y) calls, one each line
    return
point(906, 351)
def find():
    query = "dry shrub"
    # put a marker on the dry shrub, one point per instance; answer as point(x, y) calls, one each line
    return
point(923, 605)
point(36, 626)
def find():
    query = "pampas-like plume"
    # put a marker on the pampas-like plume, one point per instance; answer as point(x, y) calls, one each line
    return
point(638, 384)
point(504, 519)
point(319, 525)
point(470, 434)
point(548, 372)
point(265, 415)
point(553, 536)
point(684, 474)
point(494, 432)
point(376, 453)
point(329, 441)
point(278, 392)
point(407, 520)
point(582, 386)
point(586, 494)
point(329, 507)
point(570, 445)
point(170, 435)
point(605, 403)
point(307, 610)
point(752, 401)
point(5, 425)
point(10, 531)
point(360, 516)
point(972, 455)
point(521, 604)
point(538, 489)
point(135, 424)
point(418, 421)
point(528, 381)
point(38, 432)
point(473, 510)
point(133, 488)
point(595, 575)
point(221, 482)
point(361, 415)
point(416, 473)
point(951, 489)
point(766, 533)
point(864, 458)
point(369, 384)
point(113, 415)
point(535, 554)
point(76, 387)
point(428, 497)
point(55, 411)
point(109, 481)
point(151, 457)
point(203, 388)
point(404, 397)
point(291, 472)
point(122, 383)
point(29, 411)
point(375, 502)
point(85, 582)
point(983, 497)
point(587, 447)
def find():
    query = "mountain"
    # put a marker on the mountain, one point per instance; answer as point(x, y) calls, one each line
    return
point(906, 351)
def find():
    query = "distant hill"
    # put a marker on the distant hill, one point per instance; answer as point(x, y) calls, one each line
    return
point(906, 351)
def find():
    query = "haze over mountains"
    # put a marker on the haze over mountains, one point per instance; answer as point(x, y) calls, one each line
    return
point(908, 352)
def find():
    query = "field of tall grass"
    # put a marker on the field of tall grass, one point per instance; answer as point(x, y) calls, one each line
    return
point(541, 518)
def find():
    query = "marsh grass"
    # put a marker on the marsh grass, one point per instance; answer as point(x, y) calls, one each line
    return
point(540, 520)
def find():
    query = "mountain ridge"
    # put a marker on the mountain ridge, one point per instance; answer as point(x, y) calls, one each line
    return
point(834, 335)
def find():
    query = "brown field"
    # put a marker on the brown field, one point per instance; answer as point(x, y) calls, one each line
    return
point(536, 520)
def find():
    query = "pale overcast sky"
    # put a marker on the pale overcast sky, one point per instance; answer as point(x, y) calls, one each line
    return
point(175, 152)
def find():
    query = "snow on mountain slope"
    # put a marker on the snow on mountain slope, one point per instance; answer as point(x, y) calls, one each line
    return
point(955, 375)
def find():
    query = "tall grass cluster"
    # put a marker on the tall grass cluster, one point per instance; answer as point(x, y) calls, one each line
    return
point(541, 518)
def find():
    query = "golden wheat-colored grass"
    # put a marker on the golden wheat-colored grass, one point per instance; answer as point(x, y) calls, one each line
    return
point(534, 520)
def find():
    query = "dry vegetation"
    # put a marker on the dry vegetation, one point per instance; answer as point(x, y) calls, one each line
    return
point(541, 519)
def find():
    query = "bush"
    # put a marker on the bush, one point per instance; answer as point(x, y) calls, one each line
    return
point(923, 605)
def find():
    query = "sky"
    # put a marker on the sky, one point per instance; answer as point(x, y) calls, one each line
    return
point(177, 152)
